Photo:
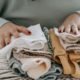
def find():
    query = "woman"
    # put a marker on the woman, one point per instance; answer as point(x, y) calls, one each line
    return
point(28, 12)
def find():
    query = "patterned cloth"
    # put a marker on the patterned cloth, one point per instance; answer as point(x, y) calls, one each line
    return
point(55, 73)
point(60, 76)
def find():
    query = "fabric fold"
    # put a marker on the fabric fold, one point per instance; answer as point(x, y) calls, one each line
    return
point(27, 62)
point(60, 55)
point(24, 62)
point(69, 41)
point(75, 59)
point(71, 46)
point(32, 42)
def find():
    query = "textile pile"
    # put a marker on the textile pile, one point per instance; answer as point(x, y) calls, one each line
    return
point(45, 55)
point(66, 51)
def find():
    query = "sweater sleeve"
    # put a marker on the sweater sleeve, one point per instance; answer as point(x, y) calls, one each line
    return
point(78, 12)
point(3, 4)
point(3, 21)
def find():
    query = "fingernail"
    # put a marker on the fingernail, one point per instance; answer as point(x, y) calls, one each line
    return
point(60, 31)
point(75, 33)
point(7, 43)
point(29, 32)
point(16, 36)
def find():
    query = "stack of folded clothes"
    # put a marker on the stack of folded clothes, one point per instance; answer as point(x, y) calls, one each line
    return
point(28, 58)
point(66, 51)
point(40, 56)
point(28, 55)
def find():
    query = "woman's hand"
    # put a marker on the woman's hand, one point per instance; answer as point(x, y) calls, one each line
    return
point(9, 29)
point(71, 24)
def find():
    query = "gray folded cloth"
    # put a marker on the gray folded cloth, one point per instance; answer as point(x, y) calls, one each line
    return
point(46, 33)
point(15, 65)
point(6, 73)
point(53, 73)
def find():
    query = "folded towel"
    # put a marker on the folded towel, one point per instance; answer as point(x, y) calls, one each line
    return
point(69, 41)
point(34, 42)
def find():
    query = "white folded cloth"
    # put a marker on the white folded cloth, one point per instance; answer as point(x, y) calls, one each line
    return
point(35, 41)
point(69, 41)
point(35, 67)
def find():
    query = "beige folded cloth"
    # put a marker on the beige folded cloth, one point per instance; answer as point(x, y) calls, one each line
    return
point(70, 61)
point(69, 41)
point(75, 59)
point(35, 63)
point(60, 54)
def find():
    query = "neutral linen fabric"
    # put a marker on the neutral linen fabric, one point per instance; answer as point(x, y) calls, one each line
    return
point(55, 73)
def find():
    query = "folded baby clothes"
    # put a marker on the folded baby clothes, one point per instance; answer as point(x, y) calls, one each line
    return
point(35, 41)
point(27, 63)
point(70, 60)
point(60, 55)
point(52, 74)
point(69, 41)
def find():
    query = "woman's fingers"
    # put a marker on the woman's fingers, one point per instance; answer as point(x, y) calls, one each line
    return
point(74, 29)
point(2, 42)
point(7, 38)
point(71, 28)
point(24, 30)
point(61, 28)
point(8, 30)
point(68, 29)
point(14, 32)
